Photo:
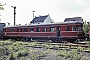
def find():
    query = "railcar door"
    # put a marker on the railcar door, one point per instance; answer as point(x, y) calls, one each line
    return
point(58, 31)
point(18, 31)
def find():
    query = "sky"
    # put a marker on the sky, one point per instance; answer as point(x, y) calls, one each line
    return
point(58, 10)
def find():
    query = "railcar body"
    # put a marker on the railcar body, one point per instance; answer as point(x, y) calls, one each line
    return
point(69, 31)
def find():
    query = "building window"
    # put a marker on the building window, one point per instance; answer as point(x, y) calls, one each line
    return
point(37, 29)
point(31, 29)
point(25, 29)
point(52, 29)
point(44, 29)
point(67, 28)
point(20, 29)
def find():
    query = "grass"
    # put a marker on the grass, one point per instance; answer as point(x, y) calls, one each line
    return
point(10, 50)
point(15, 50)
point(35, 54)
point(73, 55)
point(7, 42)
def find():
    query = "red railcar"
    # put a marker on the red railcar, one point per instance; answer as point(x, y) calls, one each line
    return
point(69, 31)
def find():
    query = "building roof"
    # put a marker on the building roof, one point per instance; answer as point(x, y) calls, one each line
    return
point(39, 19)
point(73, 19)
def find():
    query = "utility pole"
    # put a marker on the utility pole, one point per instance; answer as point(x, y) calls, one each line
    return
point(33, 16)
point(14, 14)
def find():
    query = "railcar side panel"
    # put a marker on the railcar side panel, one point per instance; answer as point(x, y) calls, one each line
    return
point(59, 31)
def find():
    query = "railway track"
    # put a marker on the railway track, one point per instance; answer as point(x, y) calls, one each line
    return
point(84, 44)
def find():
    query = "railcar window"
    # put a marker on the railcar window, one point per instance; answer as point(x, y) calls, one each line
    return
point(31, 29)
point(17, 30)
point(76, 28)
point(79, 28)
point(52, 29)
point(4, 30)
point(44, 29)
point(37, 29)
point(67, 28)
point(73, 28)
point(25, 29)
point(20, 29)
point(11, 30)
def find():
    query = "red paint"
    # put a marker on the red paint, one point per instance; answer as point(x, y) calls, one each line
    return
point(63, 31)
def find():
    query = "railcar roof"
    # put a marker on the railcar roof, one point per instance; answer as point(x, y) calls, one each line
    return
point(60, 23)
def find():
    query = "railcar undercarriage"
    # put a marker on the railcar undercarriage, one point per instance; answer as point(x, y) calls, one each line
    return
point(51, 39)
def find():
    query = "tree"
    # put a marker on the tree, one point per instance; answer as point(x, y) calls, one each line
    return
point(85, 28)
point(1, 6)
